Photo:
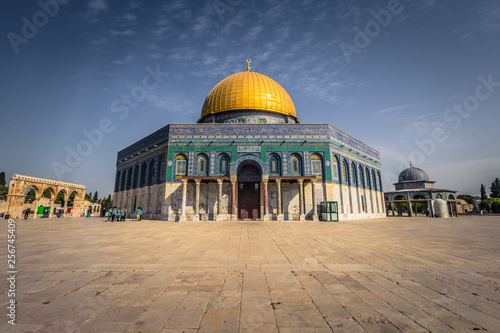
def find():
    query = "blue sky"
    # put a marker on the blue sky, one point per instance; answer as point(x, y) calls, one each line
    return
point(417, 80)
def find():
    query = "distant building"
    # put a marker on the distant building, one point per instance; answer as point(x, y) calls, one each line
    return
point(463, 207)
point(414, 186)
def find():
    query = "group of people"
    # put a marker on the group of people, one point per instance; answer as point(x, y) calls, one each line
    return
point(119, 214)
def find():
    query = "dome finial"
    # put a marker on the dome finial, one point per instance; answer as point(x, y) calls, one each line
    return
point(248, 66)
point(411, 166)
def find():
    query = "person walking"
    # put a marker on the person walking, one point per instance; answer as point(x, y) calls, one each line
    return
point(139, 213)
point(26, 212)
point(124, 213)
point(110, 214)
point(118, 215)
point(113, 216)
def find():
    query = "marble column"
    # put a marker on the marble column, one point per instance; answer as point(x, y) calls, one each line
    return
point(279, 216)
point(219, 200)
point(182, 218)
point(65, 207)
point(267, 216)
point(302, 216)
point(410, 208)
point(51, 208)
point(392, 208)
point(36, 208)
point(234, 217)
point(196, 217)
point(315, 204)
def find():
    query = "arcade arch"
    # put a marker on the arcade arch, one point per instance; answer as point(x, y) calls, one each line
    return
point(44, 188)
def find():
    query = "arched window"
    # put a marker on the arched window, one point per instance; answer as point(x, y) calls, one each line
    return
point(223, 164)
point(274, 165)
point(180, 165)
point(399, 197)
point(117, 181)
point(202, 165)
point(379, 181)
point(361, 177)
point(335, 167)
point(295, 165)
point(136, 176)
point(163, 169)
point(152, 172)
point(345, 172)
point(124, 178)
point(317, 164)
point(143, 174)
point(374, 181)
point(439, 196)
point(368, 182)
point(129, 178)
point(354, 179)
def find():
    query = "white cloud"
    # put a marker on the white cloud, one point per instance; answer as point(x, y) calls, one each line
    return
point(125, 60)
point(202, 24)
point(156, 56)
point(128, 32)
point(98, 5)
point(406, 106)
point(99, 41)
point(253, 33)
point(129, 17)
point(170, 104)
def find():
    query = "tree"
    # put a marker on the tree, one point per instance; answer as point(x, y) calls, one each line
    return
point(495, 205)
point(490, 204)
point(88, 197)
point(71, 199)
point(107, 202)
point(30, 196)
point(3, 192)
point(495, 188)
point(47, 194)
point(483, 192)
point(2, 178)
point(96, 198)
point(59, 198)
point(3, 189)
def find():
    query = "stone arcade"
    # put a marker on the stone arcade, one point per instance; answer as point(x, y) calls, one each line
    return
point(19, 186)
point(248, 157)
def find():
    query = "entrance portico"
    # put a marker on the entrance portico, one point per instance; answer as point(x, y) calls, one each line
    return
point(250, 198)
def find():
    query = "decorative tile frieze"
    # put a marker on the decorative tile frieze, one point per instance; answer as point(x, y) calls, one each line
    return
point(306, 162)
point(191, 162)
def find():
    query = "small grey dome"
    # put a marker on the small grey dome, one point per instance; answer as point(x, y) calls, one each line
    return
point(413, 174)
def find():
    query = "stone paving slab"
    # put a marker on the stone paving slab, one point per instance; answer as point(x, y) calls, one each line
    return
point(382, 275)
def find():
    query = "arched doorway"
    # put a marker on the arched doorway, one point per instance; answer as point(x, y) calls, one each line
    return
point(249, 177)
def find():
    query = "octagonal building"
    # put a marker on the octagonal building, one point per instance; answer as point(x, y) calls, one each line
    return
point(248, 157)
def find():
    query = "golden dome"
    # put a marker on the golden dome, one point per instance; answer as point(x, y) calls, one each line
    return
point(248, 91)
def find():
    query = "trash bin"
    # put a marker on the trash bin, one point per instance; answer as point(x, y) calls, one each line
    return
point(329, 211)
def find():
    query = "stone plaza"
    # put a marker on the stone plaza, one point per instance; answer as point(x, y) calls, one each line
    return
point(380, 275)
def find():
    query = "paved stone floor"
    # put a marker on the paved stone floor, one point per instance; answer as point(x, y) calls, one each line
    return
point(384, 275)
